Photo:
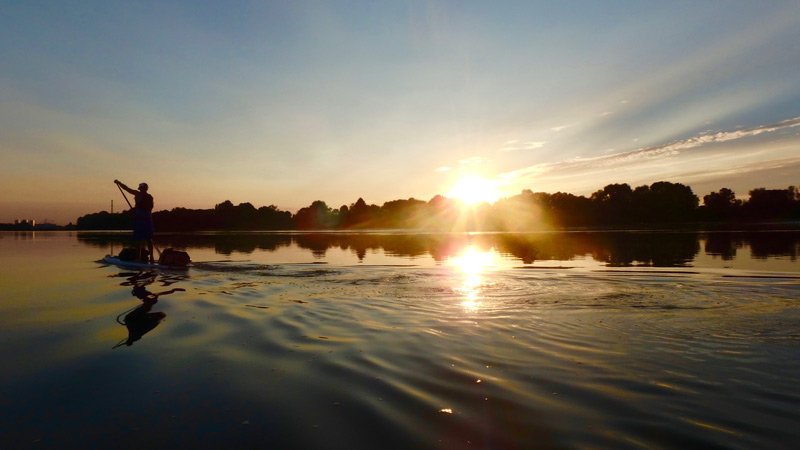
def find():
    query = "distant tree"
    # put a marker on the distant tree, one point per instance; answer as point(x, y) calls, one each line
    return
point(224, 215)
point(795, 214)
point(104, 220)
point(525, 211)
point(182, 219)
point(227, 205)
point(671, 202)
point(230, 217)
point(271, 218)
point(359, 214)
point(570, 210)
point(316, 216)
point(439, 202)
point(442, 214)
point(409, 213)
point(771, 203)
point(613, 204)
point(722, 205)
point(244, 217)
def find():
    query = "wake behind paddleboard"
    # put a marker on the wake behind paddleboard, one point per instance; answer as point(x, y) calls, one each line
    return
point(113, 260)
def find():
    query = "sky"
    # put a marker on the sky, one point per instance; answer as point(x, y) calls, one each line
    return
point(286, 102)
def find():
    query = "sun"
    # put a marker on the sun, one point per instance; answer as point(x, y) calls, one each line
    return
point(473, 189)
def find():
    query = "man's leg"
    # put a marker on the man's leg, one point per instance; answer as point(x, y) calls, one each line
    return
point(150, 249)
point(140, 251)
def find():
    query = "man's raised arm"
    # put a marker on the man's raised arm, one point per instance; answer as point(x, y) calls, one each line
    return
point(123, 186)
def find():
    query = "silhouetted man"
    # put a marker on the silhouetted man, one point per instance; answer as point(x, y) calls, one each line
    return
point(142, 218)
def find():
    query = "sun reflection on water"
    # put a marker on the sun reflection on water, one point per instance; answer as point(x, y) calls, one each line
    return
point(472, 264)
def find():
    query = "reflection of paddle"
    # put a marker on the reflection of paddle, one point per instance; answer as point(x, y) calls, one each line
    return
point(146, 296)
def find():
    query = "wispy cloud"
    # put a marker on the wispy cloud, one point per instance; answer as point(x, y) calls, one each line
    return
point(743, 169)
point(669, 159)
point(677, 147)
point(725, 136)
point(513, 146)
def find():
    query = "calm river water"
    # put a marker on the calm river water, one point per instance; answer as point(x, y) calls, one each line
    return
point(407, 341)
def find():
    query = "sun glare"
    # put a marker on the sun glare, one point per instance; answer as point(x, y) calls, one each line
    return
point(472, 263)
point(472, 190)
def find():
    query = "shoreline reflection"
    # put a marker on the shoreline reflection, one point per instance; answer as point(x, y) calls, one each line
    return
point(612, 249)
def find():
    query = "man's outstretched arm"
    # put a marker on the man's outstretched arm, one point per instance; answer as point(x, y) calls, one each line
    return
point(123, 186)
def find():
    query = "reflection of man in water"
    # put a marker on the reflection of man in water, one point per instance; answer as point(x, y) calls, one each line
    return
point(142, 218)
point(140, 321)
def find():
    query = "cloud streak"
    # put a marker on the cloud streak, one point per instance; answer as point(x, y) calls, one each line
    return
point(725, 136)
point(513, 146)
point(670, 159)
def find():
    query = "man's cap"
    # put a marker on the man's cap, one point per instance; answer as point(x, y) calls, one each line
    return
point(143, 186)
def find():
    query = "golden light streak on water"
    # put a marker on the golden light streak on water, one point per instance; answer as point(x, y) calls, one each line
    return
point(472, 265)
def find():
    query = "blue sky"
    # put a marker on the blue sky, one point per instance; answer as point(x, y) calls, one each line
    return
point(288, 102)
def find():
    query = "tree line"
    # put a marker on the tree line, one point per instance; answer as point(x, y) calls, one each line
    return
point(615, 205)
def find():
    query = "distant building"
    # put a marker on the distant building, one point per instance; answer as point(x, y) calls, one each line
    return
point(25, 223)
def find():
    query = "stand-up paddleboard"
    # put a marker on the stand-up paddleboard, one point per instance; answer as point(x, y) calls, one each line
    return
point(114, 260)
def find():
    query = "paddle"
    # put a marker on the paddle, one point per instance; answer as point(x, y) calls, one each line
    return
point(123, 195)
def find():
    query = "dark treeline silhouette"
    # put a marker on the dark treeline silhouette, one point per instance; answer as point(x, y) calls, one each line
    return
point(614, 248)
point(616, 206)
point(224, 216)
point(763, 204)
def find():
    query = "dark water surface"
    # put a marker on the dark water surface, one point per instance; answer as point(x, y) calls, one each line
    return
point(387, 340)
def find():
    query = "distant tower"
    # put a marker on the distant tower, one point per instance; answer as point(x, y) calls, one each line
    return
point(112, 206)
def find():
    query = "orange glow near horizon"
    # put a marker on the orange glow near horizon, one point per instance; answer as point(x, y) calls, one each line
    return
point(473, 189)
